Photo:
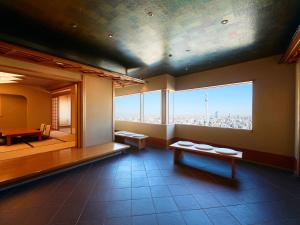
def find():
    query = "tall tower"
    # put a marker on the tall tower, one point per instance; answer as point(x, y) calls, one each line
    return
point(206, 109)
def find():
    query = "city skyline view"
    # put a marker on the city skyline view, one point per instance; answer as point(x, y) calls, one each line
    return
point(228, 106)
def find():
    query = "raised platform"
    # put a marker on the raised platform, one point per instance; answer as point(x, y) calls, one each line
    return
point(33, 166)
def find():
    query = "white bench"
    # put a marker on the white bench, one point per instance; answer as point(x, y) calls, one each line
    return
point(179, 149)
point(123, 136)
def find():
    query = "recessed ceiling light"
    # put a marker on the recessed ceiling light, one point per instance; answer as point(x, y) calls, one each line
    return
point(110, 35)
point(150, 13)
point(224, 21)
point(74, 25)
point(170, 55)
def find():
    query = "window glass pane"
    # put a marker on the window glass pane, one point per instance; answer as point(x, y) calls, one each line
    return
point(127, 108)
point(152, 107)
point(171, 107)
point(228, 106)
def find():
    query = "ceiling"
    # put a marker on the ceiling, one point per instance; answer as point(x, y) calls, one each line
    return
point(152, 37)
point(45, 83)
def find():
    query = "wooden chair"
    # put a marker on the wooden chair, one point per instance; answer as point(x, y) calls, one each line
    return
point(46, 133)
point(42, 127)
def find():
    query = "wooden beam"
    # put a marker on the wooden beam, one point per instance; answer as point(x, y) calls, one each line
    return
point(20, 53)
point(292, 54)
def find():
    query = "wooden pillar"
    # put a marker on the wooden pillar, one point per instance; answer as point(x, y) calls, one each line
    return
point(297, 119)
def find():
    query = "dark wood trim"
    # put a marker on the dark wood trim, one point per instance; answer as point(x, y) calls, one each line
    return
point(61, 94)
point(292, 54)
point(79, 124)
point(265, 158)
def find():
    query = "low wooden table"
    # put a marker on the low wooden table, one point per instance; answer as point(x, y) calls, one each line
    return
point(179, 149)
point(19, 132)
point(141, 141)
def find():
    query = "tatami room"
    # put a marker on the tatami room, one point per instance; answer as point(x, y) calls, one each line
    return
point(149, 112)
point(36, 115)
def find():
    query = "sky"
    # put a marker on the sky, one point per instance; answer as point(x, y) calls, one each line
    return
point(233, 99)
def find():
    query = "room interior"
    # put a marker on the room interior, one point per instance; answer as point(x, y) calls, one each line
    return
point(157, 113)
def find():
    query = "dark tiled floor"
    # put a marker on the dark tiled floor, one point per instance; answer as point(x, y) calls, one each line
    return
point(145, 188)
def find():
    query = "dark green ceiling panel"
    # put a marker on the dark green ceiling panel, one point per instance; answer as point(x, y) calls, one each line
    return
point(152, 37)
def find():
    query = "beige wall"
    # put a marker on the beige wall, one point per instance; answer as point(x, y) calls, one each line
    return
point(13, 111)
point(38, 103)
point(273, 106)
point(97, 110)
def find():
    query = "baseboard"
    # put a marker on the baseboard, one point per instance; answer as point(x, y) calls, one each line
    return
point(270, 159)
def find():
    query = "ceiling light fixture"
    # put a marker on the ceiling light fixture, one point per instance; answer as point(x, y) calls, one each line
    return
point(150, 13)
point(10, 78)
point(224, 21)
point(74, 25)
point(6, 78)
point(7, 81)
point(110, 35)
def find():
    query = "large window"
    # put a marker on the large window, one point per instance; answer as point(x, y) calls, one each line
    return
point(152, 107)
point(144, 107)
point(228, 106)
point(127, 108)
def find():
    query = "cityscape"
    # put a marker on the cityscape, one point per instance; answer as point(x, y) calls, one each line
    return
point(215, 120)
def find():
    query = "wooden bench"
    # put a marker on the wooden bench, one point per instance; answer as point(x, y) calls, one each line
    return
point(123, 137)
point(179, 149)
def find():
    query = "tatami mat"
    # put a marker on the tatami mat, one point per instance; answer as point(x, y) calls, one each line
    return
point(62, 136)
point(51, 141)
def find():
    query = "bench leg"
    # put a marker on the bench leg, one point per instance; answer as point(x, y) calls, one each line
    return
point(141, 144)
point(233, 171)
point(8, 140)
point(177, 155)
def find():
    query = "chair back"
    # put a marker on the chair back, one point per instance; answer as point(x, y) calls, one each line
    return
point(42, 127)
point(47, 130)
